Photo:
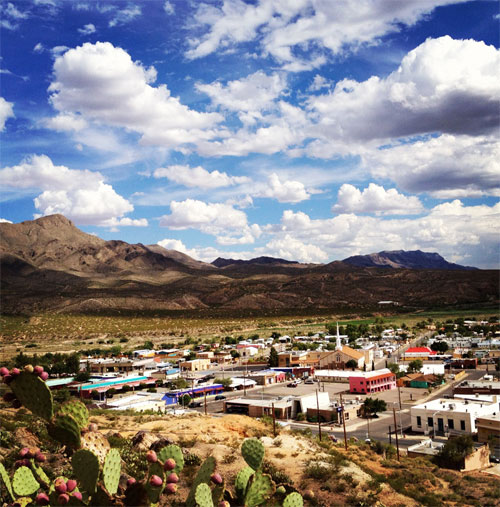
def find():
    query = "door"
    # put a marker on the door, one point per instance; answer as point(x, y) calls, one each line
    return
point(440, 424)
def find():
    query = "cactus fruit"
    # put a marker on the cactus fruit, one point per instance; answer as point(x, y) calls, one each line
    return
point(86, 468)
point(172, 478)
point(77, 495)
point(169, 465)
point(130, 481)
point(37, 370)
point(40, 457)
point(252, 451)
point(293, 500)
point(171, 488)
point(97, 443)
point(259, 490)
point(65, 430)
point(242, 479)
point(43, 376)
point(172, 452)
point(224, 503)
point(4, 371)
point(42, 499)
point(151, 457)
point(34, 394)
point(111, 471)
point(216, 478)
point(15, 372)
point(77, 410)
point(24, 483)
point(203, 475)
point(63, 499)
point(203, 495)
point(155, 481)
point(70, 485)
point(28, 368)
point(60, 485)
point(281, 490)
point(6, 479)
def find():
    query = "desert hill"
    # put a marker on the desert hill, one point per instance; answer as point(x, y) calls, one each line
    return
point(49, 264)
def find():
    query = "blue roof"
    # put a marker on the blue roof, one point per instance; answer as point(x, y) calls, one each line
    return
point(127, 380)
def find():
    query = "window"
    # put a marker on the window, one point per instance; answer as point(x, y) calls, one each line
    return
point(451, 424)
point(462, 425)
point(419, 421)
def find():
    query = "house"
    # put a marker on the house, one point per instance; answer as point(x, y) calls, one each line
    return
point(195, 365)
point(488, 431)
point(205, 355)
point(369, 382)
point(419, 380)
point(445, 416)
point(139, 402)
point(248, 351)
point(422, 353)
point(267, 377)
point(334, 375)
point(477, 387)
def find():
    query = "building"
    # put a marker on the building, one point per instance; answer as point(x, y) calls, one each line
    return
point(139, 402)
point(195, 365)
point(422, 353)
point(174, 397)
point(338, 358)
point(334, 375)
point(205, 355)
point(488, 431)
point(267, 377)
point(420, 380)
point(101, 386)
point(490, 387)
point(369, 382)
point(450, 416)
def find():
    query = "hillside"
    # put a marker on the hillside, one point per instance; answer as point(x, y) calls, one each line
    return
point(49, 264)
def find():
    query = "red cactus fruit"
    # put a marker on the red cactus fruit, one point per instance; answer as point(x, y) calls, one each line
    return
point(40, 457)
point(44, 375)
point(70, 485)
point(24, 452)
point(63, 499)
point(155, 481)
point(169, 464)
point(172, 478)
point(77, 495)
point(216, 478)
point(15, 372)
point(38, 369)
point(4, 371)
point(42, 499)
point(151, 457)
point(171, 488)
point(224, 503)
point(60, 486)
point(131, 481)
point(29, 368)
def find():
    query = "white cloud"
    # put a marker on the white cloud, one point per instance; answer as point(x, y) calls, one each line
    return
point(58, 50)
point(80, 195)
point(444, 85)
point(12, 11)
point(38, 48)
point(255, 92)
point(5, 221)
point(291, 248)
point(375, 199)
point(6, 112)
point(173, 244)
point(444, 167)
point(198, 177)
point(66, 122)
point(87, 29)
point(323, 25)
point(287, 191)
point(102, 83)
point(218, 219)
point(168, 7)
point(125, 15)
point(319, 82)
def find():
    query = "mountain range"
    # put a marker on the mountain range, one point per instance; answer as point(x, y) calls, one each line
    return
point(49, 264)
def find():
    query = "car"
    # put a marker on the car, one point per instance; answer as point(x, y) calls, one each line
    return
point(309, 381)
point(494, 459)
point(292, 384)
point(220, 397)
point(194, 404)
point(298, 381)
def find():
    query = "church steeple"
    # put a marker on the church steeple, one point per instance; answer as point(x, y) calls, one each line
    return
point(339, 343)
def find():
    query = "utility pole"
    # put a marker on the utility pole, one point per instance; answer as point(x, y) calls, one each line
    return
point(274, 420)
point(396, 432)
point(399, 395)
point(343, 422)
point(317, 410)
point(205, 401)
point(390, 439)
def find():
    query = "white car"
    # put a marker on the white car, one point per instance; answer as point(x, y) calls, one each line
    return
point(298, 381)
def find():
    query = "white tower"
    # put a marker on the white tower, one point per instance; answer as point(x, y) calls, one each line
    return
point(339, 343)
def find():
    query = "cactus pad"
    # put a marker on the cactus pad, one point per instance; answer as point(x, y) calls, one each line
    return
point(23, 501)
point(6, 480)
point(252, 451)
point(86, 468)
point(77, 410)
point(259, 490)
point(136, 495)
point(242, 479)
point(203, 495)
point(112, 470)
point(34, 394)
point(65, 430)
point(218, 493)
point(97, 443)
point(42, 476)
point(24, 483)
point(101, 498)
point(293, 500)
point(203, 475)
point(174, 452)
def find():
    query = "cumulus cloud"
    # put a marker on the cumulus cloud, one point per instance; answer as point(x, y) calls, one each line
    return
point(218, 219)
point(6, 112)
point(5, 221)
point(289, 38)
point(444, 85)
point(125, 15)
point(291, 248)
point(444, 167)
point(198, 177)
point(81, 195)
point(87, 29)
point(287, 191)
point(375, 199)
point(102, 83)
point(66, 122)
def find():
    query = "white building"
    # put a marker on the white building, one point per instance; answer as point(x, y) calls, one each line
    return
point(137, 402)
point(450, 415)
point(434, 368)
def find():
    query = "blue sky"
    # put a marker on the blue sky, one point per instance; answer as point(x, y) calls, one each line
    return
point(309, 130)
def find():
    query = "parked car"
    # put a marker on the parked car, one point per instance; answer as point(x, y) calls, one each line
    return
point(194, 404)
point(309, 381)
point(292, 384)
point(220, 397)
point(298, 381)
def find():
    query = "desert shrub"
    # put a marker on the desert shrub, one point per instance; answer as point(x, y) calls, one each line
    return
point(301, 416)
point(192, 459)
point(318, 471)
point(277, 475)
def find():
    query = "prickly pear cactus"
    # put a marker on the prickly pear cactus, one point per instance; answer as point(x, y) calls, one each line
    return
point(6, 480)
point(204, 473)
point(97, 443)
point(86, 469)
point(24, 483)
point(293, 500)
point(102, 498)
point(42, 476)
point(175, 452)
point(65, 430)
point(154, 492)
point(136, 495)
point(252, 451)
point(260, 489)
point(203, 495)
point(218, 493)
point(242, 479)
point(111, 471)
point(77, 410)
point(24, 501)
point(34, 394)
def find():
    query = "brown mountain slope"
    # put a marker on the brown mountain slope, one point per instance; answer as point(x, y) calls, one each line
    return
point(49, 264)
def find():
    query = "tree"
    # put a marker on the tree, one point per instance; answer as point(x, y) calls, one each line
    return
point(352, 364)
point(394, 367)
point(179, 383)
point(454, 452)
point(415, 365)
point(226, 382)
point(185, 400)
point(275, 335)
point(273, 358)
point(440, 346)
point(373, 405)
point(235, 354)
point(83, 376)
point(148, 345)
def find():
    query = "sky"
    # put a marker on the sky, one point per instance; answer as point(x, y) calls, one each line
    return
point(310, 130)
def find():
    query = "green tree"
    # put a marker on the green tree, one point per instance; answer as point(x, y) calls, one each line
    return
point(179, 383)
point(440, 346)
point(275, 335)
point(415, 365)
point(235, 354)
point(352, 364)
point(454, 452)
point(373, 405)
point(148, 345)
point(83, 376)
point(394, 367)
point(226, 382)
point(273, 358)
point(185, 400)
